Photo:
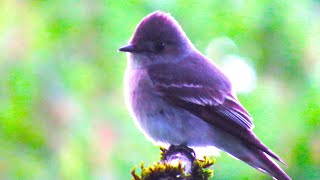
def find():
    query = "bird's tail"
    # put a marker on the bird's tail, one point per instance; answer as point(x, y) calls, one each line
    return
point(262, 162)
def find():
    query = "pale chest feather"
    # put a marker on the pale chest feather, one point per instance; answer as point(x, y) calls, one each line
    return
point(139, 90)
point(160, 121)
point(140, 97)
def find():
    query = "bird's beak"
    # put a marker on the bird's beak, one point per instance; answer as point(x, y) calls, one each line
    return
point(129, 48)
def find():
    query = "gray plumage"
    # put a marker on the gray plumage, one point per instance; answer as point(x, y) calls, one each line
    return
point(177, 96)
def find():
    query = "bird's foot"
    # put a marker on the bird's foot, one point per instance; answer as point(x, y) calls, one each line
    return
point(182, 149)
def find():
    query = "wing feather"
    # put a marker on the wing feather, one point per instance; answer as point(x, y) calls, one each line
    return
point(216, 100)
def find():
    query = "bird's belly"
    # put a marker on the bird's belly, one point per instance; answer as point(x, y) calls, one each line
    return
point(162, 122)
point(168, 124)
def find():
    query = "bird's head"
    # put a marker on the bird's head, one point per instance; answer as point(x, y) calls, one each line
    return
point(158, 38)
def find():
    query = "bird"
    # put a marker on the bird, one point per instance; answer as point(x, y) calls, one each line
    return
point(176, 95)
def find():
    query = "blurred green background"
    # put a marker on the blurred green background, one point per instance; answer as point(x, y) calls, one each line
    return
point(62, 111)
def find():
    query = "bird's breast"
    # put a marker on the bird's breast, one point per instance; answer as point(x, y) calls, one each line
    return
point(160, 121)
point(140, 98)
point(150, 112)
point(138, 89)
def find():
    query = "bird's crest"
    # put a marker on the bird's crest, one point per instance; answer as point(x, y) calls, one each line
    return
point(157, 25)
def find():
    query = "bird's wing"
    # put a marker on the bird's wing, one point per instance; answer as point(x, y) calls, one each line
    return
point(220, 103)
point(208, 98)
point(187, 87)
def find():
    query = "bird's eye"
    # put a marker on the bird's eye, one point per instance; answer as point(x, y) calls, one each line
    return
point(159, 46)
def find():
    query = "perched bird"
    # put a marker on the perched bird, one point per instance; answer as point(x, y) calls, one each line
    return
point(178, 96)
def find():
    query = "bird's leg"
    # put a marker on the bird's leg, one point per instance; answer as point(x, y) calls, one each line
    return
point(182, 149)
point(180, 154)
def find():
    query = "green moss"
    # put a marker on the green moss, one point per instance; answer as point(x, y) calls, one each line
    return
point(200, 168)
point(163, 170)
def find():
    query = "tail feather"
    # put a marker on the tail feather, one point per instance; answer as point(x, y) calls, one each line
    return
point(263, 162)
point(272, 154)
point(255, 142)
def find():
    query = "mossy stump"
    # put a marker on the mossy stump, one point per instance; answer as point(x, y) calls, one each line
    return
point(176, 163)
